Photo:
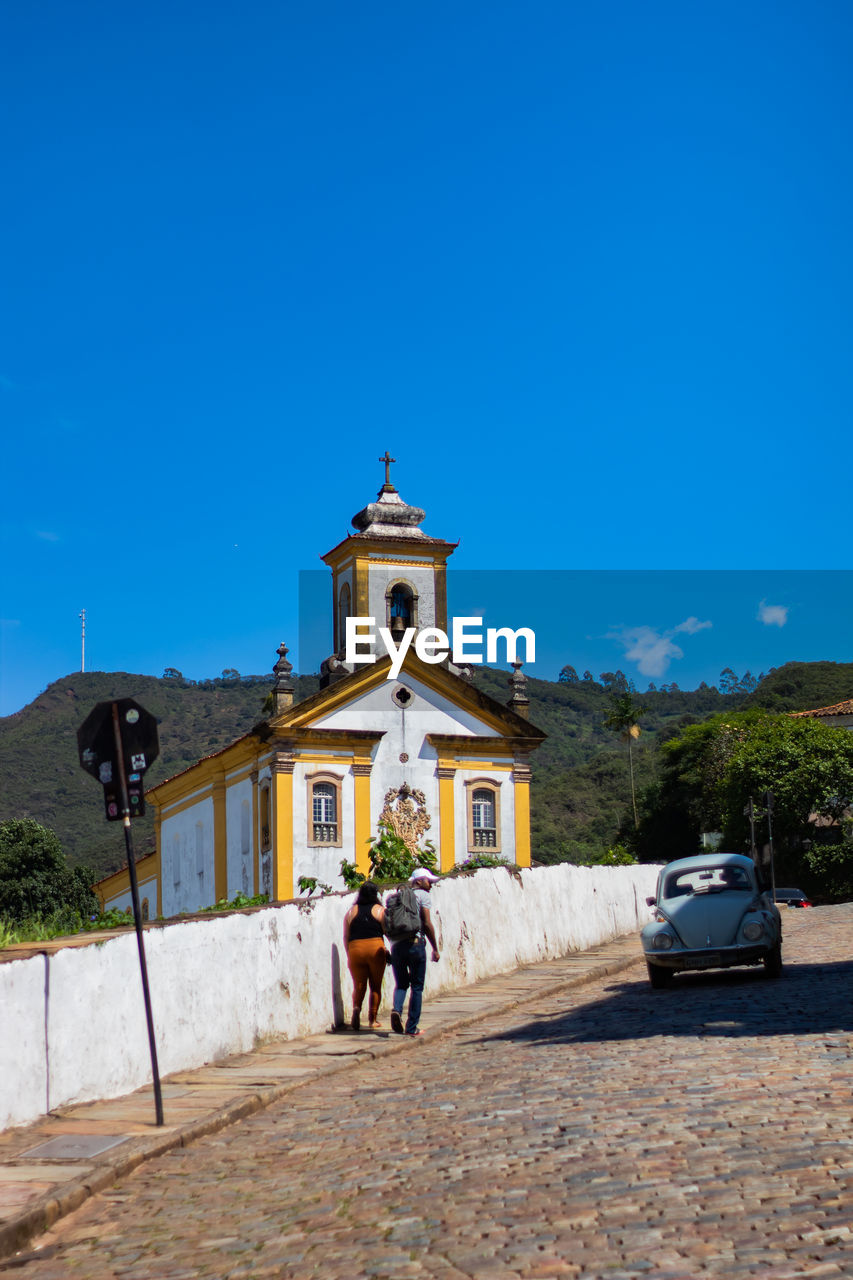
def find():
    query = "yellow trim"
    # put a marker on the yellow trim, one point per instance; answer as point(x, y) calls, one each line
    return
point(282, 843)
point(521, 805)
point(220, 842)
point(463, 762)
point(361, 823)
point(389, 550)
point(198, 797)
point(446, 822)
point(440, 590)
point(244, 752)
point(329, 757)
point(112, 886)
point(360, 587)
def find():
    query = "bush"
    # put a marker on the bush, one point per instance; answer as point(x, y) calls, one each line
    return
point(35, 879)
point(391, 860)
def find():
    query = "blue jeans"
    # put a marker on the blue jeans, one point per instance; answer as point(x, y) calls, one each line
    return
point(409, 962)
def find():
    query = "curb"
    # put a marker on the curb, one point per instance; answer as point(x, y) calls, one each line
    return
point(47, 1209)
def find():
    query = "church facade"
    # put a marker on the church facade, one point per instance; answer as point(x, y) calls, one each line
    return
point(426, 751)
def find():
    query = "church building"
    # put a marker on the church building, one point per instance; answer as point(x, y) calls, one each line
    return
point(426, 752)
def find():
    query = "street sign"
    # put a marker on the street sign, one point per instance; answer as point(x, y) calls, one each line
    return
point(99, 753)
point(117, 742)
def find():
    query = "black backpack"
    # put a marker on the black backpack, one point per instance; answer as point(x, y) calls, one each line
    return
point(402, 914)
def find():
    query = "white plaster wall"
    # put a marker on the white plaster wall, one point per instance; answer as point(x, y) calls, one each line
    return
point(23, 1056)
point(429, 712)
point(507, 814)
point(226, 983)
point(240, 869)
point(405, 731)
point(324, 864)
point(147, 889)
point(422, 580)
point(178, 840)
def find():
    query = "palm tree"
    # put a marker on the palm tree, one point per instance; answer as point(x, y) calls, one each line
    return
point(622, 718)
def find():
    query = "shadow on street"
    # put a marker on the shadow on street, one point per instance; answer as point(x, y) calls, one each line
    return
point(806, 1000)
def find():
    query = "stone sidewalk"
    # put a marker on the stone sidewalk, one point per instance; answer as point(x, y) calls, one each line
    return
point(49, 1168)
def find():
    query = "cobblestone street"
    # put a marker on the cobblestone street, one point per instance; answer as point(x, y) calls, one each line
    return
point(609, 1131)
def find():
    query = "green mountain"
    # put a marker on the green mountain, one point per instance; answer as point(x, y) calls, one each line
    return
point(580, 794)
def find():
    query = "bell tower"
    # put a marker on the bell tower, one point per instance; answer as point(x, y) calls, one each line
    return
point(389, 569)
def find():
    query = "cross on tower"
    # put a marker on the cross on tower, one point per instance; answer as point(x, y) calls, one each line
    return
point(388, 460)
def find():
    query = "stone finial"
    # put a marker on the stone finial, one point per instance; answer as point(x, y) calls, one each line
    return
point(283, 688)
point(519, 701)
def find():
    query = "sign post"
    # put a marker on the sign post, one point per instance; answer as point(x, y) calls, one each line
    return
point(117, 742)
point(768, 804)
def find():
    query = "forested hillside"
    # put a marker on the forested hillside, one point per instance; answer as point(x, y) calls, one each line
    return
point(41, 774)
point(581, 789)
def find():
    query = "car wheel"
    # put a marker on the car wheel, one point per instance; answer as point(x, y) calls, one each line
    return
point(659, 977)
point(773, 962)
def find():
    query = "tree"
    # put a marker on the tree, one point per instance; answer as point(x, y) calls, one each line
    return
point(614, 681)
point(172, 673)
point(729, 683)
point(568, 675)
point(35, 878)
point(709, 771)
point(587, 675)
point(807, 765)
point(622, 717)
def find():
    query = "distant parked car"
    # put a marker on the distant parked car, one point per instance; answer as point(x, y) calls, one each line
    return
point(710, 912)
point(792, 898)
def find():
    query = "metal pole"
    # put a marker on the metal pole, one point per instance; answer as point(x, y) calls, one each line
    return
point(137, 913)
point(768, 802)
point(82, 617)
point(750, 813)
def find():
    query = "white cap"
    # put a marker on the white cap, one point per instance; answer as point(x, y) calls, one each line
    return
point(421, 873)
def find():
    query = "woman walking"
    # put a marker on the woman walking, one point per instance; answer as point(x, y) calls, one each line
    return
point(364, 943)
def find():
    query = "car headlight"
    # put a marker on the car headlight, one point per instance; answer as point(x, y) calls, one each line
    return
point(661, 942)
point(753, 931)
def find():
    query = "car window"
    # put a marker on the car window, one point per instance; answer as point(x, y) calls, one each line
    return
point(706, 880)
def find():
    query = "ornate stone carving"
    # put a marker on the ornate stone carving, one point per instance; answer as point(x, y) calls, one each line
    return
point(405, 812)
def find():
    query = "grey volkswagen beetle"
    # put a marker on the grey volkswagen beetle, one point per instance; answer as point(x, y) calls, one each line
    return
point(710, 912)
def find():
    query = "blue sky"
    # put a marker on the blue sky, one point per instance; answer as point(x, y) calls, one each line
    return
point(584, 269)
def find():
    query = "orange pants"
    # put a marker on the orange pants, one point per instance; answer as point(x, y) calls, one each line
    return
point(366, 960)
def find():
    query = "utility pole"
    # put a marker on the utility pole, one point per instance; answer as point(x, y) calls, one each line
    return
point(82, 616)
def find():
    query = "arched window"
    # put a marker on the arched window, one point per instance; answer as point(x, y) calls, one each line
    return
point(401, 607)
point(324, 810)
point(484, 825)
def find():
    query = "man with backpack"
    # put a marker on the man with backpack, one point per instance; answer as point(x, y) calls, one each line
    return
point(409, 927)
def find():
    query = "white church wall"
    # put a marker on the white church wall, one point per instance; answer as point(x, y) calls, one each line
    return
point(404, 733)
point(223, 984)
point(503, 778)
point(147, 889)
point(238, 827)
point(324, 864)
point(186, 857)
point(422, 580)
point(428, 712)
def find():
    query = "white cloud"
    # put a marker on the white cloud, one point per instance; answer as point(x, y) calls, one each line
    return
point(652, 651)
point(691, 625)
point(772, 615)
